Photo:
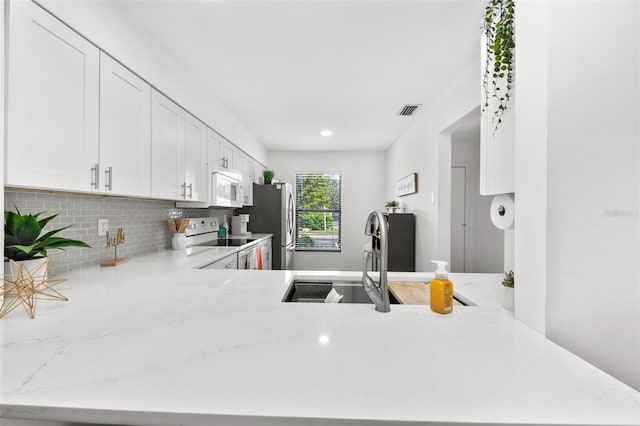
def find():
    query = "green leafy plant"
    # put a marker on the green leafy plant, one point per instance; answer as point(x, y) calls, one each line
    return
point(497, 80)
point(268, 175)
point(508, 280)
point(22, 239)
point(392, 204)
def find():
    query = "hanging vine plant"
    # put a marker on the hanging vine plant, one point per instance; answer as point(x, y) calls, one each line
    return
point(498, 72)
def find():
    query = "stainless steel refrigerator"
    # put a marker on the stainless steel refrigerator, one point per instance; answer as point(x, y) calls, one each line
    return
point(274, 212)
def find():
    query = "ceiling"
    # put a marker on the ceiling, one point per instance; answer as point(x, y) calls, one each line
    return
point(288, 69)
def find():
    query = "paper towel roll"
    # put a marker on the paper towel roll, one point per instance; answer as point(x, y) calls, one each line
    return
point(503, 211)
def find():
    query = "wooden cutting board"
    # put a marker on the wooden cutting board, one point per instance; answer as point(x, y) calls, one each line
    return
point(412, 292)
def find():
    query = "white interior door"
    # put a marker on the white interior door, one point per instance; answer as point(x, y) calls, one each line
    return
point(458, 218)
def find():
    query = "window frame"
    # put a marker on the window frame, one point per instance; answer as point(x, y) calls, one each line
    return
point(337, 210)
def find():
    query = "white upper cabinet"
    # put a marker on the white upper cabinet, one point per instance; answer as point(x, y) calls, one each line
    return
point(125, 131)
point(497, 146)
point(227, 159)
point(195, 164)
point(179, 160)
point(77, 120)
point(247, 179)
point(246, 168)
point(258, 169)
point(167, 136)
point(52, 103)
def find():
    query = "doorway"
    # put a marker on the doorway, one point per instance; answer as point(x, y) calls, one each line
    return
point(476, 244)
point(458, 217)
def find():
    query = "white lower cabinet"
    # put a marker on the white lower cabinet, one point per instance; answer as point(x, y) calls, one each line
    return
point(52, 110)
point(229, 262)
point(125, 131)
point(265, 248)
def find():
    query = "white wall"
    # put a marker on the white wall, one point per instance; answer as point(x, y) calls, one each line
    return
point(577, 266)
point(3, 134)
point(484, 242)
point(128, 42)
point(531, 164)
point(425, 148)
point(363, 189)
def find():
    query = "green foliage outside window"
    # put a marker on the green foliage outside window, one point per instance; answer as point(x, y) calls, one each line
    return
point(318, 210)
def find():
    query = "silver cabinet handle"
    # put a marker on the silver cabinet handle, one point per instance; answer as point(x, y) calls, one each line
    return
point(96, 176)
point(109, 176)
point(190, 191)
point(184, 190)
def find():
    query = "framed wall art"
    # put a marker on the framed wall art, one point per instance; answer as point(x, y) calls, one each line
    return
point(407, 185)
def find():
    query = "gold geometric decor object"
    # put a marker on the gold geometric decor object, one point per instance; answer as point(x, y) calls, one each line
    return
point(24, 287)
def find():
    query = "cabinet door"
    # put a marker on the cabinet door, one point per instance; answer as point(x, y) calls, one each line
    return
point(125, 130)
point(497, 146)
point(195, 164)
point(167, 139)
point(227, 156)
point(52, 102)
point(265, 246)
point(229, 262)
point(247, 180)
point(257, 173)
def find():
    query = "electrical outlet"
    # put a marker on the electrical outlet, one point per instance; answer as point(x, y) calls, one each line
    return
point(103, 227)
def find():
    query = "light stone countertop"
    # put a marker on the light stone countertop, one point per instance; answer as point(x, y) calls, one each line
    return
point(155, 342)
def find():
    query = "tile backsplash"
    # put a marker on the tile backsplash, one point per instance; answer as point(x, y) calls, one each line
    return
point(144, 223)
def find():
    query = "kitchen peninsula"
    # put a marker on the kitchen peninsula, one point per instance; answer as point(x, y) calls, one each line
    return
point(157, 342)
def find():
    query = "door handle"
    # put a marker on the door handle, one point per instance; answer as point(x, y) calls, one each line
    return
point(96, 176)
point(109, 176)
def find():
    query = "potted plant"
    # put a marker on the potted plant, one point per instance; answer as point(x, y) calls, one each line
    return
point(508, 283)
point(24, 241)
point(392, 206)
point(268, 175)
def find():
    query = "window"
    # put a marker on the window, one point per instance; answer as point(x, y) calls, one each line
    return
point(318, 213)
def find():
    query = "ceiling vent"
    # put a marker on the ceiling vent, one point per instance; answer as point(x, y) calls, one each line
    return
point(409, 109)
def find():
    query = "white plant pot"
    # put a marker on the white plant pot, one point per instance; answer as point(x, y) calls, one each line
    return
point(508, 298)
point(179, 241)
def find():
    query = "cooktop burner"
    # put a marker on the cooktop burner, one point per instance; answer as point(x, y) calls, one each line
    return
point(234, 242)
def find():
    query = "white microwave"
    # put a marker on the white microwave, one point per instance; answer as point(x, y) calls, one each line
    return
point(226, 189)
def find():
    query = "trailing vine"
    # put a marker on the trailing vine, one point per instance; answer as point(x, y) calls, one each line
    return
point(498, 73)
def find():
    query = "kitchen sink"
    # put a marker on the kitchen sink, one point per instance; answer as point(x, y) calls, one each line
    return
point(309, 291)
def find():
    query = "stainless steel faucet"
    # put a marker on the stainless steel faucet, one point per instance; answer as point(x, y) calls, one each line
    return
point(377, 228)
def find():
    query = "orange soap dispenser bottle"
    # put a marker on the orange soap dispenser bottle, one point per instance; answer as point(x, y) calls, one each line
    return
point(441, 290)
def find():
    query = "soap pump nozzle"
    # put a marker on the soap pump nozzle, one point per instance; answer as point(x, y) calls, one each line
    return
point(441, 270)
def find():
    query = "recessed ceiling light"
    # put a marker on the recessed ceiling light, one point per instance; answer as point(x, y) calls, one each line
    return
point(326, 132)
